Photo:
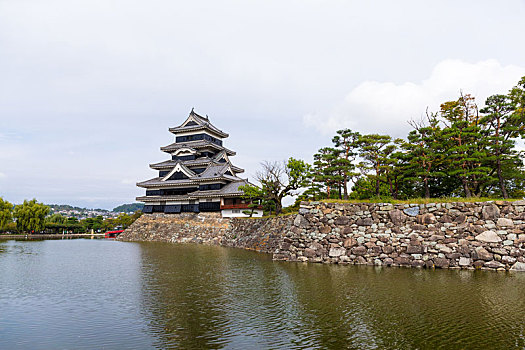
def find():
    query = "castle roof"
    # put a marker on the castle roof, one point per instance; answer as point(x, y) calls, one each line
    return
point(229, 190)
point(196, 145)
point(212, 172)
point(203, 161)
point(197, 122)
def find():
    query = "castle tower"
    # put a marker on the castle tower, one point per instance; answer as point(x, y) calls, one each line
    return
point(199, 177)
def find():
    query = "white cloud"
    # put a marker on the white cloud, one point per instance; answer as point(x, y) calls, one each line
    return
point(386, 107)
point(2, 176)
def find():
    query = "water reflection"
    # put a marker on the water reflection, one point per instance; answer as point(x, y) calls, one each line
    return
point(209, 297)
point(94, 294)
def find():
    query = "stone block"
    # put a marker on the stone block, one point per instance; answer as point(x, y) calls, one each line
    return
point(493, 264)
point(300, 221)
point(488, 237)
point(310, 253)
point(463, 261)
point(325, 229)
point(360, 250)
point(415, 249)
point(445, 219)
point(426, 219)
point(418, 263)
point(443, 248)
point(360, 260)
point(481, 253)
point(508, 259)
point(490, 212)
point(388, 249)
point(411, 211)
point(316, 246)
point(402, 261)
point(364, 222)
point(349, 242)
point(341, 220)
point(390, 261)
point(348, 230)
point(397, 216)
point(336, 252)
point(504, 222)
point(519, 266)
point(441, 262)
point(461, 218)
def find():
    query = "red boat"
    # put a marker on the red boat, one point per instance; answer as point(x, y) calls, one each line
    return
point(113, 234)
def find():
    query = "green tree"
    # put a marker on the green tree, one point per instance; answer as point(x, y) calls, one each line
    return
point(346, 142)
point(254, 196)
point(56, 219)
point(124, 220)
point(502, 127)
point(365, 188)
point(314, 188)
point(466, 144)
point(327, 171)
point(376, 150)
point(6, 213)
point(279, 180)
point(517, 96)
point(30, 216)
point(424, 153)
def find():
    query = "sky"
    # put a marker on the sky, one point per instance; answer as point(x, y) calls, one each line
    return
point(89, 88)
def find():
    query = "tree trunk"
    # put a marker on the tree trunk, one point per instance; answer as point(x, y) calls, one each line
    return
point(468, 194)
point(427, 190)
point(278, 207)
point(397, 188)
point(501, 182)
point(345, 189)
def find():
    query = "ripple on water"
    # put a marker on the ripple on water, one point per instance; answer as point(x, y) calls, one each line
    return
point(87, 294)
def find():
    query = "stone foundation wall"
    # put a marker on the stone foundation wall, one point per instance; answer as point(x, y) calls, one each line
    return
point(262, 235)
point(205, 228)
point(267, 235)
point(484, 235)
point(488, 235)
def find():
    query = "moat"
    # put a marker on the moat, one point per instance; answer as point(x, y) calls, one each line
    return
point(94, 294)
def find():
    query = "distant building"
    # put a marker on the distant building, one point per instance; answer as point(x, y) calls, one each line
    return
point(199, 177)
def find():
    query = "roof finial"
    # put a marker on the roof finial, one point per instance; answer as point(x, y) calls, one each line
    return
point(207, 117)
point(192, 112)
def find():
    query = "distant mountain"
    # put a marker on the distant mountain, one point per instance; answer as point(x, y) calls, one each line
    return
point(128, 208)
point(70, 207)
point(124, 208)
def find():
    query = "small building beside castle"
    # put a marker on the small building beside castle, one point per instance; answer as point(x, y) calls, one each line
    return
point(199, 177)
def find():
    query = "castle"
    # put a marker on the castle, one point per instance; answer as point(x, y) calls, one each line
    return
point(199, 177)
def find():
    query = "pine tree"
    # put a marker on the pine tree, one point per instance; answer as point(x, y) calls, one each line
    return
point(502, 128)
point(328, 173)
point(346, 141)
point(424, 153)
point(375, 150)
point(466, 145)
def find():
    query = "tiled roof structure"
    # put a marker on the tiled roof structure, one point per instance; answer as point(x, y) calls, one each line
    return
point(198, 174)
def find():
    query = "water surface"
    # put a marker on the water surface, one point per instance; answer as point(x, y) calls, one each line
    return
point(99, 294)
